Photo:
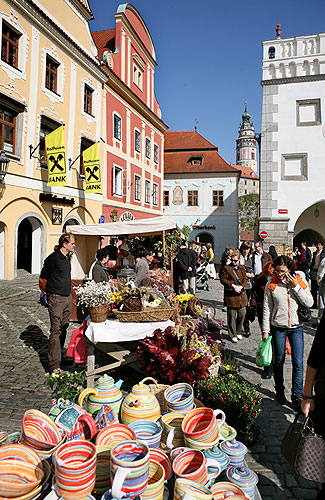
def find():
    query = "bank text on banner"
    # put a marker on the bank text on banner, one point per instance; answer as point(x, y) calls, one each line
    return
point(55, 157)
point(92, 169)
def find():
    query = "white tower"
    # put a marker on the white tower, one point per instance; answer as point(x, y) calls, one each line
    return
point(246, 146)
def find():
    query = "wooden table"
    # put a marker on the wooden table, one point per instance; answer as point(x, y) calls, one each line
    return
point(107, 336)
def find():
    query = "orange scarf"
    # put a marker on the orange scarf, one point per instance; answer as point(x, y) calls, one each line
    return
point(274, 282)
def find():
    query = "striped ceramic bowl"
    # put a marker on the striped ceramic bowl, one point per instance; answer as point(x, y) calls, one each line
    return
point(114, 434)
point(148, 432)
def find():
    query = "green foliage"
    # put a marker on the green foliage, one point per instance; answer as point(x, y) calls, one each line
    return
point(235, 396)
point(248, 211)
point(65, 384)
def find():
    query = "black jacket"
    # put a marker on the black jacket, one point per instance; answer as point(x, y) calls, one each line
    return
point(186, 259)
point(57, 271)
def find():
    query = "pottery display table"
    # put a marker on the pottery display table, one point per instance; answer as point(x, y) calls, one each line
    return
point(106, 336)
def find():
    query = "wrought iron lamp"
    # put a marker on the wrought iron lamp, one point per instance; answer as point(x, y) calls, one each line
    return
point(3, 165)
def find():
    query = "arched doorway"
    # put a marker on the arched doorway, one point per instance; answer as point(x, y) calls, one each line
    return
point(309, 226)
point(70, 222)
point(2, 252)
point(205, 238)
point(29, 245)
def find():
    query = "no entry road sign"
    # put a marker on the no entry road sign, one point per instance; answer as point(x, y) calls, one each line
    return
point(263, 234)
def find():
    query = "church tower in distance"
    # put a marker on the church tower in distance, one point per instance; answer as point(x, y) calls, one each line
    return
point(246, 146)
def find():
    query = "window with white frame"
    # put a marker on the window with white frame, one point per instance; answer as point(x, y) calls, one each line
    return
point(117, 181)
point(11, 125)
point(155, 194)
point(137, 76)
point(137, 188)
point(156, 153)
point(51, 74)
point(217, 198)
point(148, 148)
point(137, 140)
point(10, 45)
point(166, 198)
point(147, 192)
point(88, 99)
point(117, 127)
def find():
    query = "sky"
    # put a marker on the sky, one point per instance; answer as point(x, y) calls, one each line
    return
point(209, 56)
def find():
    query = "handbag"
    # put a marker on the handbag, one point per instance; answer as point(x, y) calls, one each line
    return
point(304, 313)
point(304, 450)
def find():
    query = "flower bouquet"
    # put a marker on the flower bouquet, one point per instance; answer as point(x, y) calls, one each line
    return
point(95, 296)
point(65, 384)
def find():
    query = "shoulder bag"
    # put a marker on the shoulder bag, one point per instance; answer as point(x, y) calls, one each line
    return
point(304, 450)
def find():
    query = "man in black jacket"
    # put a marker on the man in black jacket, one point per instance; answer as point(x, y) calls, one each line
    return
point(318, 256)
point(186, 263)
point(55, 280)
point(305, 259)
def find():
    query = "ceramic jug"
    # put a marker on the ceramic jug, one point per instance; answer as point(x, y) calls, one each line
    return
point(106, 392)
point(140, 404)
point(65, 413)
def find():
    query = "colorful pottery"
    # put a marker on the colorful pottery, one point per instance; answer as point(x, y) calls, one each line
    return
point(193, 465)
point(3, 436)
point(156, 480)
point(201, 428)
point(84, 428)
point(148, 432)
point(103, 480)
point(161, 458)
point(75, 469)
point(179, 398)
point(129, 468)
point(108, 496)
point(105, 417)
point(40, 489)
point(47, 454)
point(245, 478)
point(13, 437)
point(224, 489)
point(140, 404)
point(116, 433)
point(193, 491)
point(65, 414)
point(172, 435)
point(19, 452)
point(39, 431)
point(106, 392)
point(177, 451)
point(226, 432)
point(236, 452)
point(218, 455)
point(18, 477)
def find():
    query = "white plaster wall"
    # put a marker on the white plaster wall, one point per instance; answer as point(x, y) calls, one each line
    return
point(296, 196)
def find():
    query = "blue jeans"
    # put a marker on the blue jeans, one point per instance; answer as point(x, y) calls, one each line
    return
point(296, 339)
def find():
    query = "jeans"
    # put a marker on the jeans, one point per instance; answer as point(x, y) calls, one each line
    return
point(296, 339)
point(59, 311)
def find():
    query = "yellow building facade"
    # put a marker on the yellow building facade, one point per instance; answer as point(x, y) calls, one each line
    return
point(49, 76)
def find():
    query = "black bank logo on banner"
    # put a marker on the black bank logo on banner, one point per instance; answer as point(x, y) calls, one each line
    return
point(57, 172)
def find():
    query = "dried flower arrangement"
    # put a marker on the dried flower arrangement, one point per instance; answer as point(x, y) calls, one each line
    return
point(93, 294)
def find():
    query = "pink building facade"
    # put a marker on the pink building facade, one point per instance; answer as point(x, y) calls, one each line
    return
point(134, 135)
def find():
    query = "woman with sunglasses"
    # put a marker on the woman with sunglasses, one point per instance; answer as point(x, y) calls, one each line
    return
point(283, 294)
point(233, 278)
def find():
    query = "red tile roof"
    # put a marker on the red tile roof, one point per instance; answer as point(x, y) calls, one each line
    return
point(247, 172)
point(180, 161)
point(104, 40)
point(186, 140)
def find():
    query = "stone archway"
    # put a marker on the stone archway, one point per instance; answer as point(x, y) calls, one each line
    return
point(205, 238)
point(70, 221)
point(2, 251)
point(29, 243)
point(309, 226)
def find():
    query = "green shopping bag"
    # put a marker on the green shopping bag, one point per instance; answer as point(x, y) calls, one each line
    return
point(264, 352)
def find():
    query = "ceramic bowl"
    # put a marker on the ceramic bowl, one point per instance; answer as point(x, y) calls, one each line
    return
point(39, 431)
point(159, 457)
point(19, 452)
point(227, 433)
point(40, 489)
point(114, 434)
point(18, 477)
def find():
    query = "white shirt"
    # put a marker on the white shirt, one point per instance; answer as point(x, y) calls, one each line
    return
point(257, 264)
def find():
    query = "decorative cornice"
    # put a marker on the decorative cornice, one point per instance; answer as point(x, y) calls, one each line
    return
point(293, 79)
point(45, 24)
point(122, 17)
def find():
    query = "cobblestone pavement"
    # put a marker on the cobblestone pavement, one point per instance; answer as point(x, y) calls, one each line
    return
point(24, 329)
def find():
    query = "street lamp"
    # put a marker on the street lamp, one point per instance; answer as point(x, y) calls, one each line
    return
point(3, 166)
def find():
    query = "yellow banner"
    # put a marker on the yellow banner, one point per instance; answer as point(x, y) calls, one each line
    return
point(92, 169)
point(55, 158)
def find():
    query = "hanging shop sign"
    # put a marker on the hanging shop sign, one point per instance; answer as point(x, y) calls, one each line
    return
point(55, 158)
point(92, 169)
point(126, 216)
point(204, 228)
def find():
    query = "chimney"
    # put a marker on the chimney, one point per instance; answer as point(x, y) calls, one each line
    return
point(278, 30)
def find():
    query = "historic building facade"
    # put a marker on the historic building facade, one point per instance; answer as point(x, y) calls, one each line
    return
point(248, 182)
point(246, 144)
point(292, 205)
point(201, 190)
point(134, 132)
point(49, 76)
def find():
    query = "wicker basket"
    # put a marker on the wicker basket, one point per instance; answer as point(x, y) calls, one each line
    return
point(159, 389)
point(98, 314)
point(147, 315)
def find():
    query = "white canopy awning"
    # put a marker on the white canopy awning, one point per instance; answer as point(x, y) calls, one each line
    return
point(139, 227)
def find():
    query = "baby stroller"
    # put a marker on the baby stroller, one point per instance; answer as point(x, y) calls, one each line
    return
point(202, 277)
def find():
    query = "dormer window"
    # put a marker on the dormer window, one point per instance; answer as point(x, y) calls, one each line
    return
point(196, 161)
point(271, 52)
point(137, 76)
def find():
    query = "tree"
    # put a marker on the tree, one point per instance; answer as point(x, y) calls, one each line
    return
point(248, 211)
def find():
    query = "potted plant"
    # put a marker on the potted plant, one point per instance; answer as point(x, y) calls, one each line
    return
point(95, 296)
point(237, 398)
point(65, 384)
